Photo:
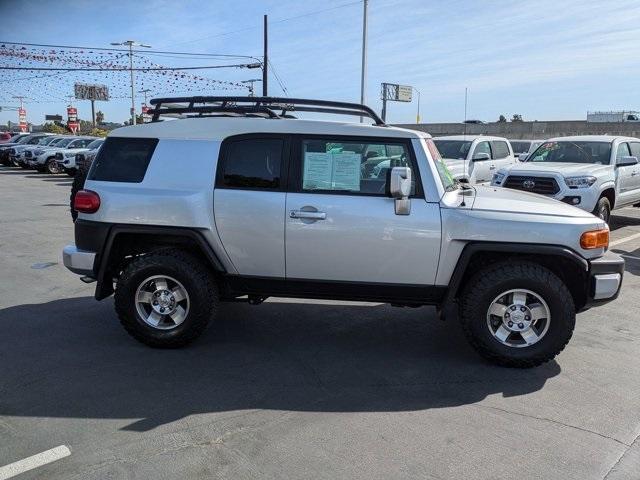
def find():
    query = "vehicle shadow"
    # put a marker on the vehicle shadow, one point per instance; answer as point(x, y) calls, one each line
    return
point(631, 260)
point(619, 221)
point(70, 358)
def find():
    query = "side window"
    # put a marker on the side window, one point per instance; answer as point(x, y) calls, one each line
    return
point(623, 151)
point(251, 164)
point(348, 167)
point(635, 149)
point(123, 159)
point(482, 147)
point(500, 149)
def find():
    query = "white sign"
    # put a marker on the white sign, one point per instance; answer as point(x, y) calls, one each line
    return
point(331, 171)
point(404, 93)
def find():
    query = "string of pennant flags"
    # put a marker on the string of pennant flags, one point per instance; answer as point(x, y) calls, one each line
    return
point(39, 75)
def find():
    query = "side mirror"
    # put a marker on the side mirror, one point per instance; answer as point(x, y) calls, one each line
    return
point(400, 188)
point(522, 157)
point(478, 157)
point(626, 161)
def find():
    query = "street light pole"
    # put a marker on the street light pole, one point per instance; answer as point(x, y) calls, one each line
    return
point(363, 71)
point(418, 114)
point(131, 44)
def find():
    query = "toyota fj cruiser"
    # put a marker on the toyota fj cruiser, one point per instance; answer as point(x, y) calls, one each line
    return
point(265, 204)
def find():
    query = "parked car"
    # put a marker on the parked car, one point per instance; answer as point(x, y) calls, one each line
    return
point(46, 160)
point(290, 214)
point(597, 173)
point(474, 158)
point(22, 158)
point(522, 148)
point(16, 149)
point(70, 164)
point(5, 147)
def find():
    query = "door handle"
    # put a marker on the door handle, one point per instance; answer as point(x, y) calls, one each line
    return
point(308, 215)
point(492, 167)
point(633, 174)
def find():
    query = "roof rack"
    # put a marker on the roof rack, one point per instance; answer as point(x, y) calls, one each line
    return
point(270, 107)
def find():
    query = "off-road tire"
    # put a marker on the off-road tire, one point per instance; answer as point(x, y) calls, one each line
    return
point(603, 209)
point(77, 185)
point(490, 282)
point(197, 280)
point(48, 167)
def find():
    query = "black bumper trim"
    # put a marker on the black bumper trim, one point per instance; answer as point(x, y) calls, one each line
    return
point(609, 263)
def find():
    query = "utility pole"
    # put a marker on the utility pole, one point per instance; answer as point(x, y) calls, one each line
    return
point(363, 71)
point(131, 44)
point(145, 91)
point(265, 61)
point(418, 114)
point(250, 85)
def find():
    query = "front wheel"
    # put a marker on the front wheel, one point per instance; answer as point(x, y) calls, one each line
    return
point(603, 209)
point(166, 299)
point(52, 166)
point(517, 314)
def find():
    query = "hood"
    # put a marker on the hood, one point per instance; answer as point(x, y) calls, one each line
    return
point(506, 200)
point(457, 167)
point(566, 169)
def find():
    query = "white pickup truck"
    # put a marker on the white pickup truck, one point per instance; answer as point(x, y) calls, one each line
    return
point(474, 158)
point(597, 173)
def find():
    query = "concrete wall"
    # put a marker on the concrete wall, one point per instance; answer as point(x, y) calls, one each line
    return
point(530, 130)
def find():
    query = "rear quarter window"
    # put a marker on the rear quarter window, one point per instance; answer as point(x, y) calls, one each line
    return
point(123, 160)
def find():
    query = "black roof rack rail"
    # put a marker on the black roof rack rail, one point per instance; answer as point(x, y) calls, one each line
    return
point(272, 107)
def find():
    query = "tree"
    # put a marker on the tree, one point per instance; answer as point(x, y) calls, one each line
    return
point(502, 119)
point(516, 117)
point(99, 117)
point(54, 128)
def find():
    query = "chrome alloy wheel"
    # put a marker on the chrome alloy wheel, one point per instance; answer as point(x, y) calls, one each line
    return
point(518, 318)
point(162, 302)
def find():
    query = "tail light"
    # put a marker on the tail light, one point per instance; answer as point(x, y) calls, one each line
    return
point(595, 239)
point(86, 201)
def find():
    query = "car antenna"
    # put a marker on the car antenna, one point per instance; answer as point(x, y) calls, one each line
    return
point(464, 163)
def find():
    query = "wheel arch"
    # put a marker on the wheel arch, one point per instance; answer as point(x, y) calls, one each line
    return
point(570, 267)
point(123, 242)
point(610, 193)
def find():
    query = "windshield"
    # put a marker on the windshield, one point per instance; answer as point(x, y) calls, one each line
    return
point(453, 148)
point(23, 139)
point(64, 142)
point(520, 147)
point(46, 140)
point(443, 172)
point(34, 140)
point(95, 144)
point(565, 151)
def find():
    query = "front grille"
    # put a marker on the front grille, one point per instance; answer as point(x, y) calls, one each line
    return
point(541, 185)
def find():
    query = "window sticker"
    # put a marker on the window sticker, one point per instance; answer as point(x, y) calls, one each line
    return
point(331, 171)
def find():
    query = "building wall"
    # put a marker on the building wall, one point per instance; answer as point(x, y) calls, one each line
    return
point(530, 130)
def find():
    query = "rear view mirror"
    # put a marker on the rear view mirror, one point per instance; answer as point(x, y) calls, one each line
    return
point(478, 157)
point(625, 161)
point(400, 188)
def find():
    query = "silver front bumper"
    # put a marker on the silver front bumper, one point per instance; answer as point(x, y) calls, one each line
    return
point(78, 261)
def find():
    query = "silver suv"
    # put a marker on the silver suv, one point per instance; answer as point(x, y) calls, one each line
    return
point(264, 204)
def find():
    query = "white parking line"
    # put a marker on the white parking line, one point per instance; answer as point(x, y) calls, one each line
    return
point(35, 461)
point(624, 239)
point(630, 256)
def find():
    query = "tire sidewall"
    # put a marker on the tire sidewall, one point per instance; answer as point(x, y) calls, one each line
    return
point(603, 203)
point(561, 323)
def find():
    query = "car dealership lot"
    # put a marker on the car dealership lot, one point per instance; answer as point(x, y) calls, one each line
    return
point(317, 389)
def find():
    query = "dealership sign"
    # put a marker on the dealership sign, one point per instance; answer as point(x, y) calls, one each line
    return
point(72, 119)
point(85, 91)
point(22, 119)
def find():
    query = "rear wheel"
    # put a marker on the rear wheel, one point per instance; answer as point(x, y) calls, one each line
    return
point(517, 314)
point(603, 209)
point(166, 299)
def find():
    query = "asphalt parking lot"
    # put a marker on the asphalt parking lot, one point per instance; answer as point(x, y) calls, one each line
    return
point(296, 389)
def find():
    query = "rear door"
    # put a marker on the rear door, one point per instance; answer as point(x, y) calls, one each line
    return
point(482, 171)
point(341, 225)
point(634, 183)
point(502, 155)
point(249, 202)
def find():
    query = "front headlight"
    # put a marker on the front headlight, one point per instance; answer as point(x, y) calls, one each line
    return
point(497, 178)
point(580, 182)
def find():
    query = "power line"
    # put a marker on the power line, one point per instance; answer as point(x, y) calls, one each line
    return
point(126, 69)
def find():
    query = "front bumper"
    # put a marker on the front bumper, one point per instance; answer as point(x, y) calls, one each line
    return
point(78, 261)
point(605, 279)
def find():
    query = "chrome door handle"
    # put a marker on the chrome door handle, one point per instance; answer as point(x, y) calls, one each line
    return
point(308, 215)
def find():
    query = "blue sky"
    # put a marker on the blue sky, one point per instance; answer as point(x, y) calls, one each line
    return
point(542, 59)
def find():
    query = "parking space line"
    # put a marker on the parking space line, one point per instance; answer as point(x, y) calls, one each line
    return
point(624, 239)
point(34, 461)
point(629, 256)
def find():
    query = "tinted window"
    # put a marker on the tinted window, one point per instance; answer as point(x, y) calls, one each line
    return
point(520, 147)
point(80, 143)
point(635, 149)
point(123, 160)
point(335, 166)
point(252, 163)
point(500, 149)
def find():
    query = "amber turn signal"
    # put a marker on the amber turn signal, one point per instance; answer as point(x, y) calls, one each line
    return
point(595, 239)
